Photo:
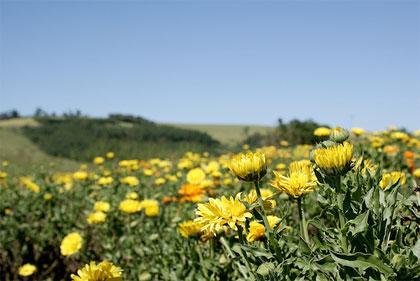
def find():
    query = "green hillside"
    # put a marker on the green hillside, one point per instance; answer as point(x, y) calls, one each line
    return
point(227, 134)
point(24, 156)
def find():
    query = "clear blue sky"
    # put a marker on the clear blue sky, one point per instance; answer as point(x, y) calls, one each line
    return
point(349, 63)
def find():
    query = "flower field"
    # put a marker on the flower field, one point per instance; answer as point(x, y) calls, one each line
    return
point(347, 208)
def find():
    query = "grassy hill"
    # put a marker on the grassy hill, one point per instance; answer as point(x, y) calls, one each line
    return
point(24, 156)
point(226, 134)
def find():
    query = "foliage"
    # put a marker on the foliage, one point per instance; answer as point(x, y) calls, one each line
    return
point(347, 227)
point(82, 138)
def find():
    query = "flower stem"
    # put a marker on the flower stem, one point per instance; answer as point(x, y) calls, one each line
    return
point(303, 224)
point(342, 222)
point(261, 203)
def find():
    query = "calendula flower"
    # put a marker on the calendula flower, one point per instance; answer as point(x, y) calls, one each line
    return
point(322, 132)
point(339, 135)
point(334, 160)
point(96, 217)
point(196, 176)
point(27, 269)
point(257, 230)
point(392, 178)
point(189, 229)
point(249, 166)
point(357, 131)
point(266, 194)
point(130, 206)
point(132, 195)
point(130, 181)
point(368, 166)
point(104, 181)
point(416, 173)
point(29, 184)
point(218, 213)
point(151, 207)
point(400, 136)
point(101, 206)
point(80, 175)
point(160, 181)
point(110, 155)
point(191, 193)
point(104, 271)
point(300, 180)
point(212, 167)
point(47, 196)
point(98, 160)
point(71, 244)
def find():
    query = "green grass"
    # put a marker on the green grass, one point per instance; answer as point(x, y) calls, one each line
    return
point(18, 122)
point(24, 156)
point(226, 134)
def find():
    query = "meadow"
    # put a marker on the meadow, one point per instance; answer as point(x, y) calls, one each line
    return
point(343, 208)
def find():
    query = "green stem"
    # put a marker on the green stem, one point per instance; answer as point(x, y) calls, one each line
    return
point(303, 224)
point(261, 203)
point(342, 221)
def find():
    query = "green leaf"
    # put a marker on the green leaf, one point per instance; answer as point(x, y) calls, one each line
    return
point(266, 268)
point(416, 249)
point(360, 223)
point(361, 262)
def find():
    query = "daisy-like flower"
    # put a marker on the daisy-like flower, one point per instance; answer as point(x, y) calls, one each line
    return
point(191, 193)
point(71, 244)
point(322, 132)
point(130, 206)
point(104, 271)
point(249, 166)
point(334, 160)
point(196, 176)
point(257, 230)
point(101, 206)
point(27, 269)
point(392, 178)
point(300, 180)
point(96, 217)
point(218, 213)
point(189, 229)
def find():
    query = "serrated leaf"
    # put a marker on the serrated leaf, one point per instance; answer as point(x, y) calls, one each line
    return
point(361, 262)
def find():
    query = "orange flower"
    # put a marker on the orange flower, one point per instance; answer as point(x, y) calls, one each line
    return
point(167, 199)
point(191, 193)
point(408, 154)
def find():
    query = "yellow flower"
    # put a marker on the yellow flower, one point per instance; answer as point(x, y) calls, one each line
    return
point(104, 271)
point(3, 175)
point(257, 230)
point(334, 160)
point(249, 166)
point(322, 132)
point(132, 195)
point(189, 229)
point(357, 131)
point(416, 173)
point(110, 155)
point(266, 194)
point(300, 180)
point(130, 181)
point(212, 167)
point(71, 244)
point(98, 160)
point(280, 166)
point(400, 136)
point(29, 184)
point(80, 175)
point(105, 181)
point(160, 181)
point(130, 206)
point(47, 196)
point(368, 166)
point(392, 178)
point(196, 176)
point(217, 213)
point(101, 206)
point(27, 269)
point(96, 217)
point(151, 207)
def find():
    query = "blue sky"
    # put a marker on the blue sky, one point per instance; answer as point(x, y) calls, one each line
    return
point(349, 63)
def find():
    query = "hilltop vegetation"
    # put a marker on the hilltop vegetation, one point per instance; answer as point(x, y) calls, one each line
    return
point(82, 138)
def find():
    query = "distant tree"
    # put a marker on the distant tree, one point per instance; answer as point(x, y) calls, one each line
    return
point(9, 114)
point(39, 112)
